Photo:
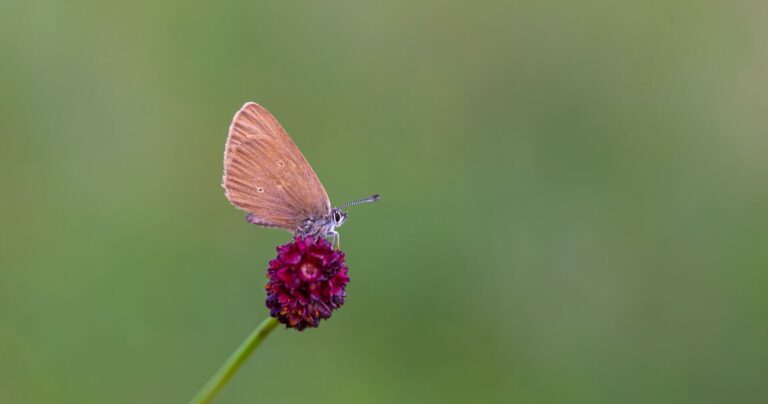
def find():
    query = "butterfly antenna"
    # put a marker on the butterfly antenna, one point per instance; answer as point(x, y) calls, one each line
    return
point(367, 199)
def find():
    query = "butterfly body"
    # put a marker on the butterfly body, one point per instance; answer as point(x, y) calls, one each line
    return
point(266, 175)
point(321, 226)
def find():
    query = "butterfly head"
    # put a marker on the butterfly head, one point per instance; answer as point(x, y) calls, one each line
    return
point(338, 216)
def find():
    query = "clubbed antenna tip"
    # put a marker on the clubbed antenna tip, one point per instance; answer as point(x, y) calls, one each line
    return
point(367, 199)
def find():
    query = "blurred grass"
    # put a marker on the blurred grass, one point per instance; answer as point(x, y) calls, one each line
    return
point(573, 199)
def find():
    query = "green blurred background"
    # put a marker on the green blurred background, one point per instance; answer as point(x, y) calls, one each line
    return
point(574, 199)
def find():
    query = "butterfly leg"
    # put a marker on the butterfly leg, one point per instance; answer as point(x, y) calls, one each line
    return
point(336, 239)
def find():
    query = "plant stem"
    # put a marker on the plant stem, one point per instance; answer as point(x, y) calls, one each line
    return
point(241, 354)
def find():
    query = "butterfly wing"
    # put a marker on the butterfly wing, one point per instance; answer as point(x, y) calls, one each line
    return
point(266, 174)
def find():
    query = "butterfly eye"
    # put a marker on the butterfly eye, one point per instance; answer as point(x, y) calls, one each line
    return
point(337, 217)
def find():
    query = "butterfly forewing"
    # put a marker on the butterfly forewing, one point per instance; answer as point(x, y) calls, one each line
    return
point(266, 174)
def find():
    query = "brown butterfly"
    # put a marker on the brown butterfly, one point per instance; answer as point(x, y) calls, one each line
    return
point(266, 175)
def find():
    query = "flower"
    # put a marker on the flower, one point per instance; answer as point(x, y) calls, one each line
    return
point(306, 282)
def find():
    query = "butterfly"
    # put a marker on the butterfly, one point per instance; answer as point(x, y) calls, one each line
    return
point(266, 175)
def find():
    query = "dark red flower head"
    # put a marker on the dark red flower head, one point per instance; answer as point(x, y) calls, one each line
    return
point(306, 282)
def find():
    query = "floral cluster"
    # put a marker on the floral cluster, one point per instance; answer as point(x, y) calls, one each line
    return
point(306, 282)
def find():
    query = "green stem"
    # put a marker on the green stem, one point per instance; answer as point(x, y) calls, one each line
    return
point(217, 382)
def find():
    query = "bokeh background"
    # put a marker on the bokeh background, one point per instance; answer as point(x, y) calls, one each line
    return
point(574, 199)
